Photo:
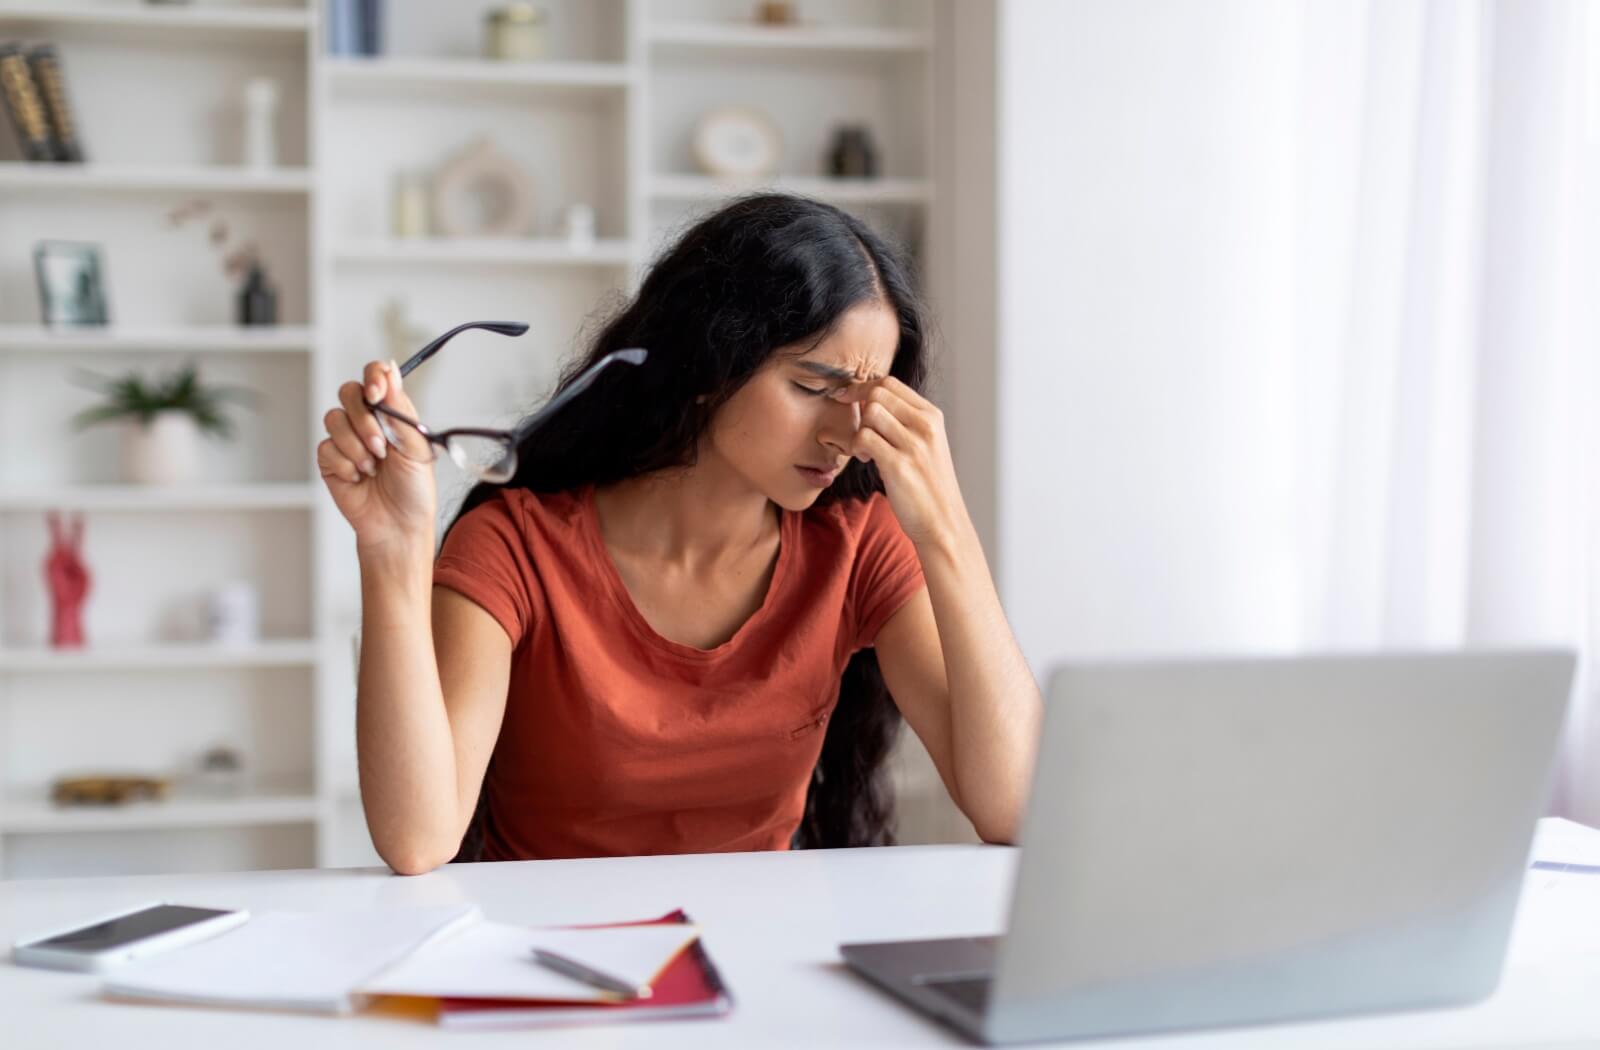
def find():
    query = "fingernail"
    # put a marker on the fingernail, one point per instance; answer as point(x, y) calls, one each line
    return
point(369, 468)
point(394, 370)
point(378, 447)
point(355, 476)
point(373, 392)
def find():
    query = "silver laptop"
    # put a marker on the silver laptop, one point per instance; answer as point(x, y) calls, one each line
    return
point(1243, 841)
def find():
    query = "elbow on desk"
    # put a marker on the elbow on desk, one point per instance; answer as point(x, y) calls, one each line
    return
point(414, 858)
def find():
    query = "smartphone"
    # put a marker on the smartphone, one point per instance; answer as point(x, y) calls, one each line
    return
point(115, 939)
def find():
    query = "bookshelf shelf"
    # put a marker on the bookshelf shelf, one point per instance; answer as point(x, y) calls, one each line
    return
point(156, 499)
point(725, 38)
point(43, 177)
point(170, 656)
point(188, 339)
point(197, 24)
point(37, 815)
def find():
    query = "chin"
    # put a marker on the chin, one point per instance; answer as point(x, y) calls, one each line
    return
point(798, 503)
point(795, 499)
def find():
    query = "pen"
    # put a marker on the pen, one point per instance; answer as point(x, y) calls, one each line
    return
point(589, 975)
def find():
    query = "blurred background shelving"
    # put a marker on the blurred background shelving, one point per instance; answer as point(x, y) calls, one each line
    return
point(605, 121)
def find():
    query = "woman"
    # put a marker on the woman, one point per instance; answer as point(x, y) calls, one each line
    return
point(637, 644)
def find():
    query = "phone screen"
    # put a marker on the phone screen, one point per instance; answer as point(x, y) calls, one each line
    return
point(125, 929)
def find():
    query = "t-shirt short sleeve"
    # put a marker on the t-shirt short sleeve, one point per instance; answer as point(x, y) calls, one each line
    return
point(485, 557)
point(887, 572)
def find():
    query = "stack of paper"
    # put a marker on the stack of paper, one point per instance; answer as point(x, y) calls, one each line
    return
point(474, 973)
point(290, 960)
point(688, 986)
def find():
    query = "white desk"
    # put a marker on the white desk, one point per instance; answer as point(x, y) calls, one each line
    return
point(772, 923)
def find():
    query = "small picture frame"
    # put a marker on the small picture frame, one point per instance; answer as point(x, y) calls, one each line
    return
point(71, 287)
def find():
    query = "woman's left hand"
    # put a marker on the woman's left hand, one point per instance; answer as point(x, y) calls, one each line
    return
point(903, 433)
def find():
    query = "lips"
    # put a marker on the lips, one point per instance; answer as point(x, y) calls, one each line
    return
point(822, 476)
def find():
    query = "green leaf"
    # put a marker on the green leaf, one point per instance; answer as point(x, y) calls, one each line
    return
point(132, 396)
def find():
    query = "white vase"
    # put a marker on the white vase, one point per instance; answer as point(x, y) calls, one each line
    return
point(165, 451)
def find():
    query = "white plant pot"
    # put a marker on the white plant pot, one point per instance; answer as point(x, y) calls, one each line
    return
point(166, 451)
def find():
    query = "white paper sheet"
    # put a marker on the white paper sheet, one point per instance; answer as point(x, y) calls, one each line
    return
point(491, 960)
point(290, 960)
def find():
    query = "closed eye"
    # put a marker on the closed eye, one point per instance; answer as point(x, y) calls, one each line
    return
point(824, 392)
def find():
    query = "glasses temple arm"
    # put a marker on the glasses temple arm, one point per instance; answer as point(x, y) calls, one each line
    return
point(498, 327)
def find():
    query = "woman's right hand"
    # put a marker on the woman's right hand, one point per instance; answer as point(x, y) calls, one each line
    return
point(387, 494)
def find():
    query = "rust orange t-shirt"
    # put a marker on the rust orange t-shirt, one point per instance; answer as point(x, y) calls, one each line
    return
point(618, 741)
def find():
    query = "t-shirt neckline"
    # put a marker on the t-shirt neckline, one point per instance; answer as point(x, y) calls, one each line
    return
point(636, 619)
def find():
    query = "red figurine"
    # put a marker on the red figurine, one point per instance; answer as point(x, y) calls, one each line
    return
point(68, 577)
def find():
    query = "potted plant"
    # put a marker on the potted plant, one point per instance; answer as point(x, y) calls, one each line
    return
point(165, 418)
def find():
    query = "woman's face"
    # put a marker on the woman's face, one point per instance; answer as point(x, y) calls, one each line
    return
point(785, 432)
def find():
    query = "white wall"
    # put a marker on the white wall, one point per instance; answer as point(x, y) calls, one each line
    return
point(1146, 220)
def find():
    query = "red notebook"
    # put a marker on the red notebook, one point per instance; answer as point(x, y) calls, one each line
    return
point(689, 987)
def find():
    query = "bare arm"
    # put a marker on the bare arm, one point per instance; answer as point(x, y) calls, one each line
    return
point(434, 673)
point(955, 671)
point(431, 688)
point(948, 656)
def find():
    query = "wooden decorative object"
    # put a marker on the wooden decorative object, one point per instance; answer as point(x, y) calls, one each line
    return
point(481, 192)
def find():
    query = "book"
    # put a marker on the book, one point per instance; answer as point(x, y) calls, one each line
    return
point(689, 987)
point(52, 89)
point(306, 961)
point(20, 96)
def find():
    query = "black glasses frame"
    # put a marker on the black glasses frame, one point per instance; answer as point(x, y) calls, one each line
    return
point(508, 439)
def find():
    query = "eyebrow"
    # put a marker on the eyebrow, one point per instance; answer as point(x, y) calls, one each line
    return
point(828, 371)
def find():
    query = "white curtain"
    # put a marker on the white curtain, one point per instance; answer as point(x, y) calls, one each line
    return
point(1448, 246)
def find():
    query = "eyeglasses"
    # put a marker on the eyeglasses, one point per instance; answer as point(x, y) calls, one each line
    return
point(488, 455)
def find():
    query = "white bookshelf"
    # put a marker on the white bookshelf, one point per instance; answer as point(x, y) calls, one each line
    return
point(170, 656)
point(199, 24)
point(834, 190)
point(185, 339)
point(714, 38)
point(469, 251)
point(108, 178)
point(38, 815)
point(149, 498)
point(604, 121)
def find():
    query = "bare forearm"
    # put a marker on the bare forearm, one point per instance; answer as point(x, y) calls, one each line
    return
point(403, 739)
point(995, 706)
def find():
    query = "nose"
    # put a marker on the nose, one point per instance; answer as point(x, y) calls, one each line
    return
point(840, 421)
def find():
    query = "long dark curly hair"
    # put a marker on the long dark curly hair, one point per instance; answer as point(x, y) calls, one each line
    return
point(765, 272)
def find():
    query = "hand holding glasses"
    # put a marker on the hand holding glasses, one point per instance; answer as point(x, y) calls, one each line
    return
point(488, 455)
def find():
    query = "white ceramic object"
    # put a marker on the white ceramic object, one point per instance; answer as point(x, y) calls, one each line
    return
point(166, 451)
point(410, 205)
point(578, 227)
point(234, 613)
point(261, 123)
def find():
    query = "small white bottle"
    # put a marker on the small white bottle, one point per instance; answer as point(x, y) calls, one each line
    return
point(260, 124)
point(578, 227)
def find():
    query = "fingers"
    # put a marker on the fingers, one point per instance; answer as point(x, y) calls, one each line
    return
point(381, 383)
point(356, 440)
point(869, 446)
point(334, 465)
point(877, 415)
point(349, 444)
point(359, 421)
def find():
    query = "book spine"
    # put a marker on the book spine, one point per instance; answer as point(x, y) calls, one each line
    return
point(342, 27)
point(23, 104)
point(370, 26)
point(46, 66)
